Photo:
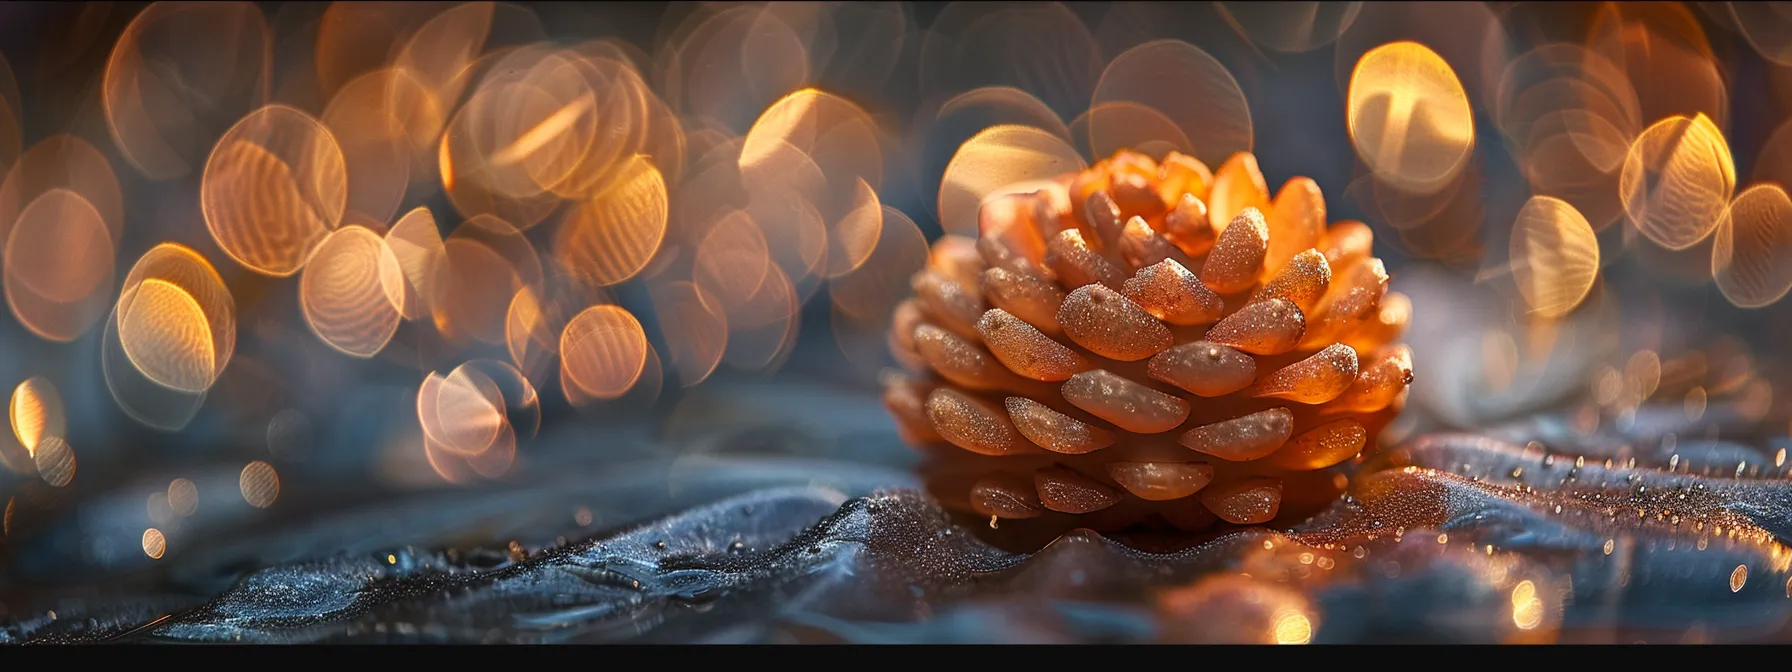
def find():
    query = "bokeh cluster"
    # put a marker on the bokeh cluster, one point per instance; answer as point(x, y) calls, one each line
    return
point(244, 233)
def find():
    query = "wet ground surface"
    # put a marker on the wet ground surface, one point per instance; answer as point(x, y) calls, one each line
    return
point(1450, 538)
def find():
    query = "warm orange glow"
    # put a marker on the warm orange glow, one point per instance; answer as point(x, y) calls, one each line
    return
point(1751, 257)
point(487, 262)
point(342, 295)
point(260, 484)
point(1204, 115)
point(154, 544)
point(58, 266)
point(1677, 181)
point(603, 351)
point(178, 64)
point(1555, 256)
point(274, 187)
point(411, 264)
point(612, 236)
point(1409, 117)
point(164, 331)
point(37, 413)
point(695, 327)
point(175, 318)
point(995, 158)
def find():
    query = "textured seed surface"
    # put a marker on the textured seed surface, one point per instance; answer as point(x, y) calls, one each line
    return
point(1111, 325)
point(1170, 292)
point(957, 258)
point(1012, 223)
point(1237, 257)
point(1140, 246)
point(1384, 376)
point(1351, 300)
point(952, 304)
point(1296, 221)
point(1346, 242)
point(1246, 502)
point(1314, 380)
point(1245, 438)
point(1006, 496)
point(972, 424)
point(1302, 280)
point(1129, 405)
point(1182, 175)
point(1187, 226)
point(960, 360)
point(1103, 216)
point(905, 321)
point(1066, 491)
point(1390, 320)
point(1089, 321)
point(1134, 193)
point(1026, 351)
point(1076, 264)
point(1264, 328)
point(1160, 481)
point(1055, 431)
point(1322, 447)
point(1238, 184)
point(1204, 368)
point(1025, 294)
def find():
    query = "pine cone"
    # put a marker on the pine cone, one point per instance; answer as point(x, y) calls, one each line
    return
point(1144, 342)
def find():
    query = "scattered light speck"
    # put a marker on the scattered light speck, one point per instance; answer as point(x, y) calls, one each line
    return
point(183, 496)
point(1294, 628)
point(154, 544)
point(260, 484)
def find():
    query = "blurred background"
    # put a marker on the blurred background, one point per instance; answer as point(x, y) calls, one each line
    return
point(265, 262)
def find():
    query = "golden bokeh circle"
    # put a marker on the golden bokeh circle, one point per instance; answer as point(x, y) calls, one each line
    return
point(176, 320)
point(260, 484)
point(36, 412)
point(1677, 181)
point(1555, 256)
point(342, 296)
point(183, 496)
point(1751, 258)
point(154, 544)
point(1409, 117)
point(412, 261)
point(603, 351)
point(55, 461)
point(59, 266)
point(994, 158)
point(610, 237)
point(274, 187)
point(177, 66)
point(1204, 112)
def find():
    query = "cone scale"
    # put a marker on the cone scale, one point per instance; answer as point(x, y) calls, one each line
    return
point(1149, 343)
